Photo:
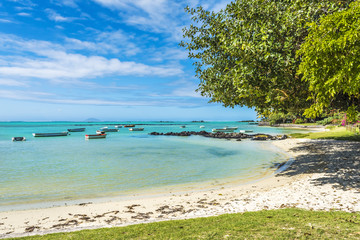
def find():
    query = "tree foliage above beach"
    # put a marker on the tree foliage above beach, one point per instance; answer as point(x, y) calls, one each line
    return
point(246, 54)
point(330, 59)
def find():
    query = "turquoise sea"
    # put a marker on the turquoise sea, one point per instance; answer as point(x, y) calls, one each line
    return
point(60, 169)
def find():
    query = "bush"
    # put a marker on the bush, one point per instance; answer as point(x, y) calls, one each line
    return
point(299, 121)
point(326, 121)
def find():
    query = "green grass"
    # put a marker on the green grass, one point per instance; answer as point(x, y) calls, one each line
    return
point(273, 224)
point(337, 133)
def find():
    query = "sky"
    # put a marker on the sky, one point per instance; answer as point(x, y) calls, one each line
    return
point(105, 59)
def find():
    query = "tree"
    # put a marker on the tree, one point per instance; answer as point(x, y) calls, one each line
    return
point(246, 54)
point(330, 60)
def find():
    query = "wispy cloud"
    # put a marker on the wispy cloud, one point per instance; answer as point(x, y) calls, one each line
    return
point(5, 20)
point(12, 82)
point(51, 61)
point(54, 16)
point(24, 14)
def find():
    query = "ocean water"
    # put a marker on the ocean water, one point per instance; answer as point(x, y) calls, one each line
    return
point(53, 169)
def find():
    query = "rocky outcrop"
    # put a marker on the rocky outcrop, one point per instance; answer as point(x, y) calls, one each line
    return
point(221, 135)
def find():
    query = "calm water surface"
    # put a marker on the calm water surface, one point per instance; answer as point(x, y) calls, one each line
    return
point(66, 168)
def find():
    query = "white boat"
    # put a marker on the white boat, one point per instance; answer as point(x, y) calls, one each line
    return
point(136, 129)
point(118, 126)
point(76, 129)
point(18, 139)
point(99, 132)
point(50, 134)
point(231, 128)
point(202, 126)
point(222, 130)
point(106, 129)
point(245, 131)
point(95, 136)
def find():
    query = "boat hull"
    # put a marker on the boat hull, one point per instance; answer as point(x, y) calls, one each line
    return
point(136, 129)
point(76, 130)
point(50, 134)
point(95, 136)
point(222, 130)
point(18, 139)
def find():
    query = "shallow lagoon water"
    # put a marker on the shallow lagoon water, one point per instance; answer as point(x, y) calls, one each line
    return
point(67, 168)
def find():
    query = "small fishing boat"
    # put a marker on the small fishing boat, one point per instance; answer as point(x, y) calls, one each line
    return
point(222, 130)
point(99, 132)
point(202, 126)
point(231, 128)
point(246, 131)
point(106, 129)
point(118, 126)
point(18, 139)
point(76, 129)
point(182, 126)
point(95, 136)
point(131, 125)
point(136, 129)
point(50, 134)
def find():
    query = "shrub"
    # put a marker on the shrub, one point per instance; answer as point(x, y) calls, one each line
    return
point(299, 121)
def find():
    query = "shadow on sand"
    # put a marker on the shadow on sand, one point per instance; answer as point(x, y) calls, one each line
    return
point(339, 160)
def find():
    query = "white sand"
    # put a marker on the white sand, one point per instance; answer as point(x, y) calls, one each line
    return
point(321, 178)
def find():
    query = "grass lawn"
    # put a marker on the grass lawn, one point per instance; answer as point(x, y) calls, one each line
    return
point(337, 133)
point(272, 224)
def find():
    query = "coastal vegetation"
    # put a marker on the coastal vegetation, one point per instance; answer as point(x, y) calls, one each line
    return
point(337, 133)
point(299, 59)
point(271, 224)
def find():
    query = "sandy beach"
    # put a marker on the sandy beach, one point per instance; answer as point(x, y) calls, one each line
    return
point(324, 176)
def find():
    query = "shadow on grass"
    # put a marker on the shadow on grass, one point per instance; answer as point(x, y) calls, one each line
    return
point(339, 160)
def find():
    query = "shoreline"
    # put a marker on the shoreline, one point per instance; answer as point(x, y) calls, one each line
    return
point(311, 182)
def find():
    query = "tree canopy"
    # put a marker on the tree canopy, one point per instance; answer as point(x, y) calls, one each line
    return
point(330, 59)
point(246, 54)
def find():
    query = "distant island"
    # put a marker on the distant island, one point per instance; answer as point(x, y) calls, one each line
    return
point(92, 120)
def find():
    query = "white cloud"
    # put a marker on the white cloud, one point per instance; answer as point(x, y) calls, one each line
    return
point(5, 20)
point(51, 62)
point(12, 82)
point(54, 16)
point(106, 42)
point(24, 14)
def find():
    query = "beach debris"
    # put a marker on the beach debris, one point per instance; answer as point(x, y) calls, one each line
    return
point(131, 208)
point(102, 215)
point(72, 222)
point(113, 218)
point(31, 228)
point(142, 216)
point(84, 204)
point(168, 210)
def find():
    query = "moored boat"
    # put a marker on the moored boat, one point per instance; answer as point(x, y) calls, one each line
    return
point(118, 126)
point(76, 129)
point(183, 126)
point(245, 131)
point(95, 136)
point(222, 130)
point(231, 128)
point(18, 139)
point(202, 126)
point(50, 134)
point(130, 125)
point(136, 129)
point(106, 129)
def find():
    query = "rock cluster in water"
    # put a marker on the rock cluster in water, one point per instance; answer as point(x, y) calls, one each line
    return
point(237, 136)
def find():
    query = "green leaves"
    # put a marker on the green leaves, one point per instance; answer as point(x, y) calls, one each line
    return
point(331, 59)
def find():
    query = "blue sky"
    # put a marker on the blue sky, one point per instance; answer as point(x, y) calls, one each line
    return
point(105, 59)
